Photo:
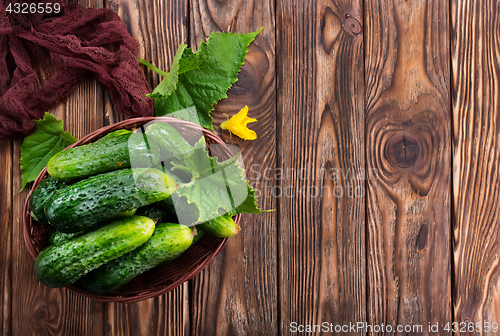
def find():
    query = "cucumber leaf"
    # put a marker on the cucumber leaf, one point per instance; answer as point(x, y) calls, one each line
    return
point(249, 205)
point(216, 188)
point(169, 83)
point(48, 139)
point(199, 80)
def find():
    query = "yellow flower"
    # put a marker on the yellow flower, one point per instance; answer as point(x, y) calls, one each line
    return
point(238, 125)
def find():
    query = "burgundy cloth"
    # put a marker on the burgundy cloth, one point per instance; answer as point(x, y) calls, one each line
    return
point(44, 57)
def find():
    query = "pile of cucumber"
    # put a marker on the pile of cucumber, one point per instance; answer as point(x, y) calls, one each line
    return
point(111, 222)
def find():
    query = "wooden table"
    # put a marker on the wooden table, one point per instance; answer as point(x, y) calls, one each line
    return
point(386, 117)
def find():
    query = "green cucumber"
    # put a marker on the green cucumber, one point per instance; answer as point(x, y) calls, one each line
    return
point(58, 237)
point(220, 227)
point(172, 146)
point(46, 189)
point(166, 212)
point(128, 213)
point(166, 244)
point(117, 150)
point(61, 265)
point(169, 141)
point(96, 199)
point(158, 212)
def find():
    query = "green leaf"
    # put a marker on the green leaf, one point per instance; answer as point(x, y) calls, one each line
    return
point(249, 205)
point(169, 83)
point(199, 80)
point(216, 188)
point(48, 139)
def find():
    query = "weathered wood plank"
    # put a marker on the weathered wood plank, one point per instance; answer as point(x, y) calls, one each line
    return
point(476, 161)
point(6, 237)
point(38, 309)
point(237, 293)
point(159, 26)
point(321, 148)
point(84, 110)
point(408, 159)
point(165, 315)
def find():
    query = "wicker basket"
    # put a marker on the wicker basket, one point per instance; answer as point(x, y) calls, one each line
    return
point(159, 280)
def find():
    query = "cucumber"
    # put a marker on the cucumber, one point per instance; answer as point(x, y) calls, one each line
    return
point(166, 244)
point(96, 199)
point(166, 212)
point(170, 142)
point(220, 227)
point(61, 265)
point(46, 189)
point(158, 212)
point(117, 150)
point(58, 237)
point(128, 213)
point(172, 146)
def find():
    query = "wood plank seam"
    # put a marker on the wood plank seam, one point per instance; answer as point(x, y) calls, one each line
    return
point(8, 261)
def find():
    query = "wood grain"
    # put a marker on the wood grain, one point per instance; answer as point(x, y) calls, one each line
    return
point(476, 161)
point(237, 293)
point(408, 159)
point(159, 26)
point(337, 86)
point(321, 139)
point(6, 237)
point(165, 315)
point(40, 310)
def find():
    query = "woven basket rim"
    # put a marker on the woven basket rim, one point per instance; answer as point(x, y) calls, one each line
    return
point(195, 266)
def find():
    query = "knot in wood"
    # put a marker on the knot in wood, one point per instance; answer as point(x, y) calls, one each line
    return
point(403, 150)
point(114, 5)
point(42, 314)
point(423, 236)
point(352, 26)
point(252, 74)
